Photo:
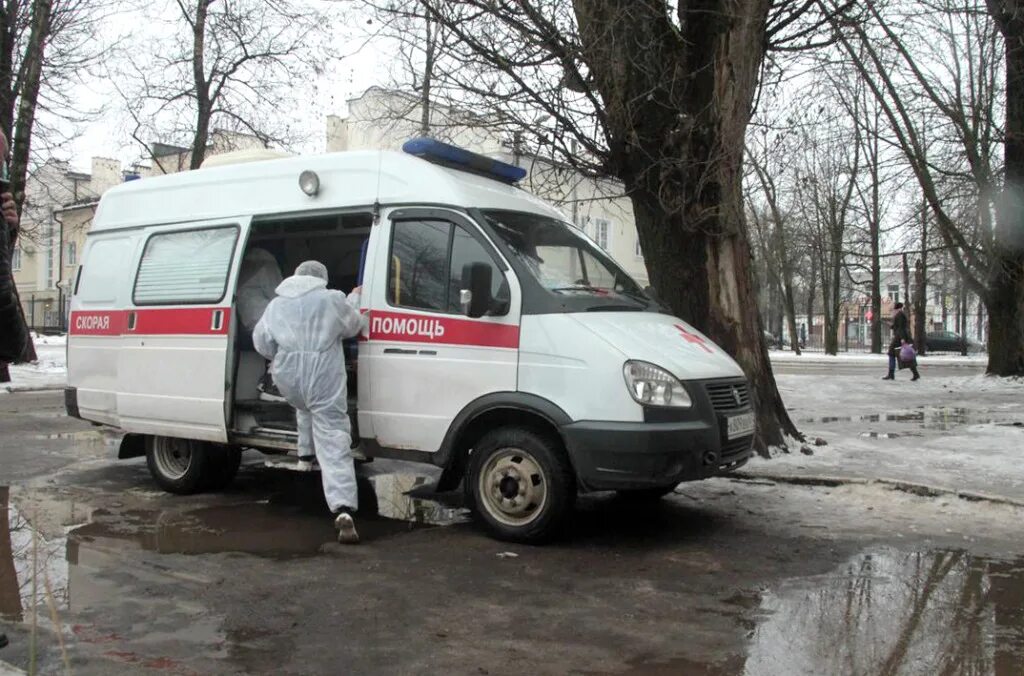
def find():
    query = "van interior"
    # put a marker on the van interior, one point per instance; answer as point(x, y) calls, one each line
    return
point(338, 241)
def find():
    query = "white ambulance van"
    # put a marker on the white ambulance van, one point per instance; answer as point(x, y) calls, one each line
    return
point(500, 344)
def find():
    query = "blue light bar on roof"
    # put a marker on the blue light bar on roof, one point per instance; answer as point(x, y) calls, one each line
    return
point(434, 151)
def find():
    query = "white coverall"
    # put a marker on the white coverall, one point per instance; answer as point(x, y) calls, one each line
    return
point(259, 277)
point(301, 331)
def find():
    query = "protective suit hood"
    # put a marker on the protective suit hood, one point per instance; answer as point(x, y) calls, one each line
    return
point(299, 285)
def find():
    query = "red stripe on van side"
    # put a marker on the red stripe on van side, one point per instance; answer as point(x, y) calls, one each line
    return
point(180, 322)
point(97, 322)
point(151, 322)
point(416, 328)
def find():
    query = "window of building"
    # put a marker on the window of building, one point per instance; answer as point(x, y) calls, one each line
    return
point(428, 260)
point(72, 254)
point(894, 292)
point(601, 230)
point(186, 267)
point(16, 259)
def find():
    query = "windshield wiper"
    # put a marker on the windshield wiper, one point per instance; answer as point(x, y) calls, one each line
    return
point(614, 308)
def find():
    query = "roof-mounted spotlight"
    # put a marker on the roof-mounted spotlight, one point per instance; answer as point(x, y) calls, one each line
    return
point(309, 182)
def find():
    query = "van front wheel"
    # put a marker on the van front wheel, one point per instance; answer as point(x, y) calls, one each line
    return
point(179, 466)
point(521, 484)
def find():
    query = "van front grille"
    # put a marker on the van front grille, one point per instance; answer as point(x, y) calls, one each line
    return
point(728, 396)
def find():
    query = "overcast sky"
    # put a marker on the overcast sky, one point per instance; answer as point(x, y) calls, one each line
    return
point(107, 136)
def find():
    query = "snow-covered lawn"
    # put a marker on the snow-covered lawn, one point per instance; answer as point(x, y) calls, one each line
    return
point(958, 433)
point(50, 372)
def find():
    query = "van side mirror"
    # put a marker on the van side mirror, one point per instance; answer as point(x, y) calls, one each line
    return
point(476, 280)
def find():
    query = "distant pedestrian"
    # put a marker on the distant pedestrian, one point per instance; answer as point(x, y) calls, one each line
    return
point(900, 337)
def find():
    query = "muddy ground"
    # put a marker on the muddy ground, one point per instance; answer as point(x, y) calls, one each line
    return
point(724, 577)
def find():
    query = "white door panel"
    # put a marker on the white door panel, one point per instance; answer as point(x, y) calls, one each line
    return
point(425, 358)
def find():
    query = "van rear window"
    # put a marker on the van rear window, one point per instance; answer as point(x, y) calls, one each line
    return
point(189, 266)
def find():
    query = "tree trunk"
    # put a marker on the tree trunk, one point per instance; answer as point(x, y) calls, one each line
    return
point(874, 230)
point(790, 307)
point(1006, 284)
point(29, 96)
point(21, 147)
point(8, 43)
point(921, 281)
point(811, 290)
point(428, 76)
point(677, 105)
point(204, 106)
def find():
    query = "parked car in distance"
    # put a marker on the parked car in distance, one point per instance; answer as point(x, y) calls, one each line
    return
point(947, 341)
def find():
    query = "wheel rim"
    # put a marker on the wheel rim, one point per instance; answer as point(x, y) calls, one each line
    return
point(173, 457)
point(513, 487)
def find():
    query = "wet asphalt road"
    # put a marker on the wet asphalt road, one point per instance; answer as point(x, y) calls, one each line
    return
point(724, 577)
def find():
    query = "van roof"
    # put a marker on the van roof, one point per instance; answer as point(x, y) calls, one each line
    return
point(347, 179)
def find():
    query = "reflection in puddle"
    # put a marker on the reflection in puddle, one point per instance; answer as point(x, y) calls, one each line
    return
point(35, 570)
point(943, 612)
point(931, 418)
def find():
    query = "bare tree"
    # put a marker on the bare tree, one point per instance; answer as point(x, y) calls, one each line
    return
point(658, 95)
point(235, 65)
point(779, 254)
point(957, 95)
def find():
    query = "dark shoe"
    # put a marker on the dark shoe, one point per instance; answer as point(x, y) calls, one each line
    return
point(3, 640)
point(917, 376)
point(346, 527)
point(889, 377)
point(268, 390)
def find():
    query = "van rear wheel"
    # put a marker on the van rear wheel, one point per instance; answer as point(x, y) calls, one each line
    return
point(180, 466)
point(521, 485)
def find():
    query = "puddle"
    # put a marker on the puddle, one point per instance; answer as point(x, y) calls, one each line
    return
point(293, 522)
point(942, 419)
point(890, 612)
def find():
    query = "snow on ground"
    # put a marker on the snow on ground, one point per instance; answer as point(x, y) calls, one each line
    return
point(958, 433)
point(49, 372)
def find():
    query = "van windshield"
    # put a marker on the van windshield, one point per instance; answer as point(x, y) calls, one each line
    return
point(562, 259)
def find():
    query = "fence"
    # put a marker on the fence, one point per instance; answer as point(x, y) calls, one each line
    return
point(45, 314)
point(857, 334)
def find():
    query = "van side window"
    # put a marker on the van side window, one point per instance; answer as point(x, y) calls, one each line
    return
point(418, 271)
point(98, 281)
point(190, 266)
point(427, 261)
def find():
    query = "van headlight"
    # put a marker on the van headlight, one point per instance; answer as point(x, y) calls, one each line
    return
point(652, 385)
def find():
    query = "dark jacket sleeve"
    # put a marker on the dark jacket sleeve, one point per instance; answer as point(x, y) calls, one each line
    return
point(13, 334)
point(901, 327)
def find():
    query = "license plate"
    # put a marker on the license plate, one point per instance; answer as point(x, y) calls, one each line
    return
point(739, 425)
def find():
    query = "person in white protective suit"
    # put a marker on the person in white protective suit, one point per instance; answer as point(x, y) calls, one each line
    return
point(302, 331)
point(257, 280)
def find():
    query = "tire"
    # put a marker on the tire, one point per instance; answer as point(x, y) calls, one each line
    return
point(645, 495)
point(225, 461)
point(179, 466)
point(501, 500)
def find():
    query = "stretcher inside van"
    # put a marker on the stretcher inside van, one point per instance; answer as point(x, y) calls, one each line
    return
point(499, 343)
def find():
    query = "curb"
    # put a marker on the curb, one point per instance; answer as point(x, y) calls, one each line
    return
point(43, 388)
point(923, 490)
